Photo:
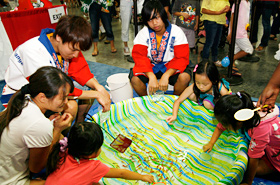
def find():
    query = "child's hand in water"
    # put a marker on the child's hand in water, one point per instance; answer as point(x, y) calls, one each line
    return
point(170, 119)
point(208, 147)
point(148, 178)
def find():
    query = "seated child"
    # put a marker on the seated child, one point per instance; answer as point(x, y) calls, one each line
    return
point(73, 162)
point(205, 90)
point(263, 133)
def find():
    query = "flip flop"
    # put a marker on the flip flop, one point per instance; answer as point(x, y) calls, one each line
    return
point(235, 69)
point(260, 48)
point(113, 50)
point(94, 53)
point(236, 73)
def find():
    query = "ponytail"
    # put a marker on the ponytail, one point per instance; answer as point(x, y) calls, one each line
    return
point(17, 102)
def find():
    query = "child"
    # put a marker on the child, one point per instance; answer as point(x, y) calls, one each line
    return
point(206, 89)
point(214, 18)
point(264, 148)
point(160, 51)
point(187, 18)
point(74, 163)
point(243, 45)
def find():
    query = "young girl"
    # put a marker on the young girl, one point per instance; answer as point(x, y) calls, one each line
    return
point(26, 134)
point(264, 131)
point(205, 90)
point(73, 162)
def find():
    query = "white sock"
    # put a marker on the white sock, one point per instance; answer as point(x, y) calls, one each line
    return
point(102, 29)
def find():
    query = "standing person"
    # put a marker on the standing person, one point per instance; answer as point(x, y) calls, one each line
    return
point(187, 18)
point(76, 156)
point(263, 133)
point(214, 18)
point(265, 9)
point(243, 45)
point(126, 7)
point(101, 9)
point(206, 89)
point(161, 52)
point(60, 48)
point(26, 134)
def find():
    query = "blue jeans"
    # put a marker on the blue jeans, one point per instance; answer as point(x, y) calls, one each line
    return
point(213, 36)
point(95, 15)
point(266, 14)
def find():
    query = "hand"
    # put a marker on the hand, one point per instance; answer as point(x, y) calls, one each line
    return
point(268, 96)
point(185, 15)
point(208, 147)
point(102, 90)
point(153, 85)
point(148, 178)
point(163, 83)
point(104, 101)
point(54, 116)
point(195, 27)
point(170, 119)
point(62, 122)
point(229, 38)
point(225, 9)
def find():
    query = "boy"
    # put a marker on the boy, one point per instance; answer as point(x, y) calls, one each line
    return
point(160, 51)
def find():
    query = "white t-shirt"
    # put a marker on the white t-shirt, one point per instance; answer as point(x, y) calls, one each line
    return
point(31, 129)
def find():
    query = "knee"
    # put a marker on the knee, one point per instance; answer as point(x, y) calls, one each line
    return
point(135, 81)
point(184, 79)
point(72, 108)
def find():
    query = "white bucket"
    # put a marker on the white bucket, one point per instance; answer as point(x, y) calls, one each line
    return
point(120, 87)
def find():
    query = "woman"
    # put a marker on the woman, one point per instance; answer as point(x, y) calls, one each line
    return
point(26, 134)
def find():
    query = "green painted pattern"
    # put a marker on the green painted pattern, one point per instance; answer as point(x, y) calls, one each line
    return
point(171, 153)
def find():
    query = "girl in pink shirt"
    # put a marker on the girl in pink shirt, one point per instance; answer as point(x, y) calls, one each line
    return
point(263, 131)
point(72, 160)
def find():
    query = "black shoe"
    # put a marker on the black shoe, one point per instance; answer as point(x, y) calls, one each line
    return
point(130, 59)
point(249, 58)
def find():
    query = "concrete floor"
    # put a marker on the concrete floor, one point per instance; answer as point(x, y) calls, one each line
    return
point(255, 75)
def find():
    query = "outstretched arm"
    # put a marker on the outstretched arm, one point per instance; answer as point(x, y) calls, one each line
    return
point(129, 175)
point(216, 134)
point(185, 94)
point(271, 91)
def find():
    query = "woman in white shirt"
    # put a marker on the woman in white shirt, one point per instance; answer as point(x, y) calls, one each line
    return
point(26, 134)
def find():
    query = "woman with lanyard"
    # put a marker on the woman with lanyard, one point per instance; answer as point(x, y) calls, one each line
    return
point(160, 51)
point(26, 134)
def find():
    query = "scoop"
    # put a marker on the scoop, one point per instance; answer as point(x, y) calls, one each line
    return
point(245, 114)
point(205, 156)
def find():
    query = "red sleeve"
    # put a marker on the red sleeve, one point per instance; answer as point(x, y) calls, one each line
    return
point(142, 62)
point(181, 58)
point(221, 127)
point(79, 70)
point(77, 92)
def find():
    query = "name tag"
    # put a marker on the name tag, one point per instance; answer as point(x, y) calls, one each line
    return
point(56, 13)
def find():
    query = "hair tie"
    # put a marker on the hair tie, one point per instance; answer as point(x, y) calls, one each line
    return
point(239, 95)
point(25, 89)
point(195, 67)
point(63, 144)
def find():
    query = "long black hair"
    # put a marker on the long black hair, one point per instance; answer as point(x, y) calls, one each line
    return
point(155, 7)
point(47, 80)
point(84, 139)
point(211, 71)
point(228, 105)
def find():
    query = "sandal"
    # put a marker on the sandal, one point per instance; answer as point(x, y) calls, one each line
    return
point(218, 63)
point(114, 50)
point(260, 48)
point(272, 37)
point(236, 73)
point(94, 53)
